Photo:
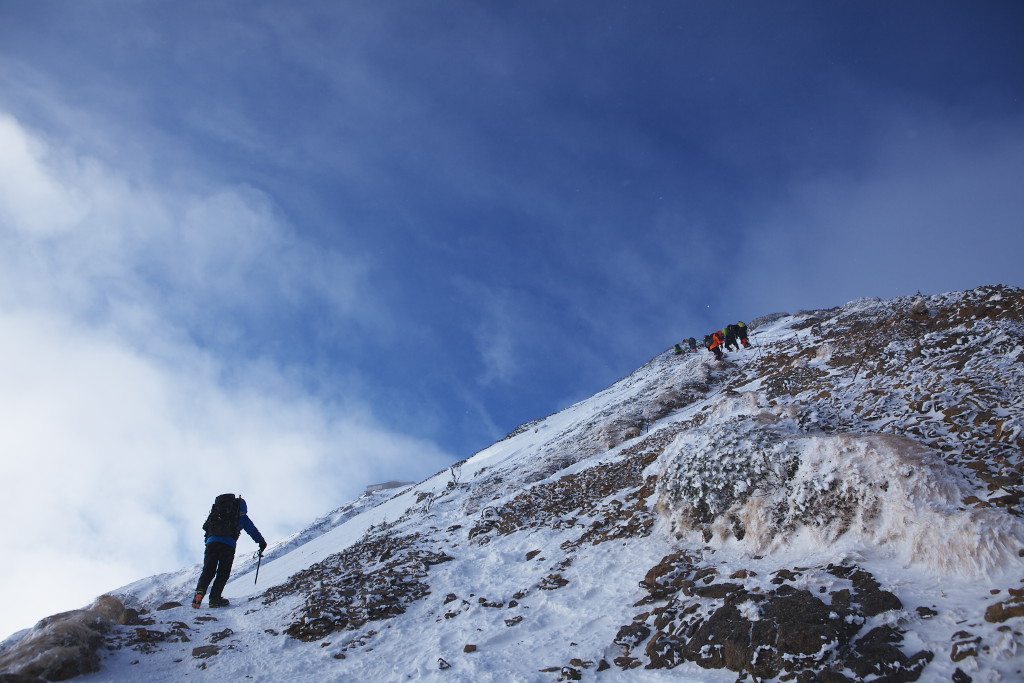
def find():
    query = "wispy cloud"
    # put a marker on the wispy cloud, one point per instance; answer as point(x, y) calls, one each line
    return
point(31, 200)
point(117, 454)
point(119, 423)
point(82, 236)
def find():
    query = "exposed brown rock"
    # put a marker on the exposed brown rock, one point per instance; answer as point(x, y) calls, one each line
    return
point(205, 651)
point(1007, 609)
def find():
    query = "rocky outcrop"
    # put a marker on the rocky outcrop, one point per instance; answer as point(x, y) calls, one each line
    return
point(373, 580)
point(64, 645)
point(786, 631)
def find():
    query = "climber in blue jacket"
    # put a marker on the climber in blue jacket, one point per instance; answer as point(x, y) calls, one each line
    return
point(228, 517)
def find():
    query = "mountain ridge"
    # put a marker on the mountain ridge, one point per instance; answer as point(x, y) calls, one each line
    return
point(840, 502)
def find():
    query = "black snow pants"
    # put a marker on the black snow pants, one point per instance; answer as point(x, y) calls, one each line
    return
point(217, 562)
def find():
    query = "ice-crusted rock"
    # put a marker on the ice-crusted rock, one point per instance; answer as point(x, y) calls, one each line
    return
point(766, 484)
point(709, 471)
point(64, 645)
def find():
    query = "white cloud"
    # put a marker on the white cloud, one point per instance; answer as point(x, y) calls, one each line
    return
point(79, 235)
point(30, 199)
point(116, 429)
point(111, 458)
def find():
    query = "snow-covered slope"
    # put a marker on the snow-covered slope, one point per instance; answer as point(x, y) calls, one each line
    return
point(840, 502)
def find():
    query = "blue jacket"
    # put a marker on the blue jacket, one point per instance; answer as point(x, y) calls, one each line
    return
point(245, 523)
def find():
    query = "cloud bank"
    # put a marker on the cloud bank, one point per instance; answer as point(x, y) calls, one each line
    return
point(121, 422)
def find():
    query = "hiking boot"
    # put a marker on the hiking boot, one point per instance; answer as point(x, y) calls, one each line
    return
point(219, 602)
point(197, 601)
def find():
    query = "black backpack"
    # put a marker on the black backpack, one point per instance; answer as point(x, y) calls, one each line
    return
point(224, 516)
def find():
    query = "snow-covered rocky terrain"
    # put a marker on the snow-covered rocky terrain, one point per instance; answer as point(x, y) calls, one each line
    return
point(840, 502)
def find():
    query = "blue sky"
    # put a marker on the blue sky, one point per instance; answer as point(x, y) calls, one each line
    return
point(292, 249)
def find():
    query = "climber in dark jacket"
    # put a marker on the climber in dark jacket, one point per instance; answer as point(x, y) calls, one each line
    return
point(693, 344)
point(219, 556)
point(730, 338)
point(741, 332)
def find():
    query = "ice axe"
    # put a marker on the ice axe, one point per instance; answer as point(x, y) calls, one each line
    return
point(259, 561)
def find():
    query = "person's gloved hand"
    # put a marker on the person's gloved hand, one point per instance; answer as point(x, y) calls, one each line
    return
point(263, 546)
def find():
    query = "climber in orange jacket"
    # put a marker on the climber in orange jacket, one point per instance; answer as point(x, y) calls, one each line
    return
point(717, 341)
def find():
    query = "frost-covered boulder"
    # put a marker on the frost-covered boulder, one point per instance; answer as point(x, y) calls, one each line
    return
point(710, 471)
point(770, 487)
point(64, 645)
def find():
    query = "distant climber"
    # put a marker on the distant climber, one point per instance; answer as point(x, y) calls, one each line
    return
point(678, 350)
point(729, 334)
point(717, 339)
point(693, 344)
point(741, 332)
point(228, 516)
